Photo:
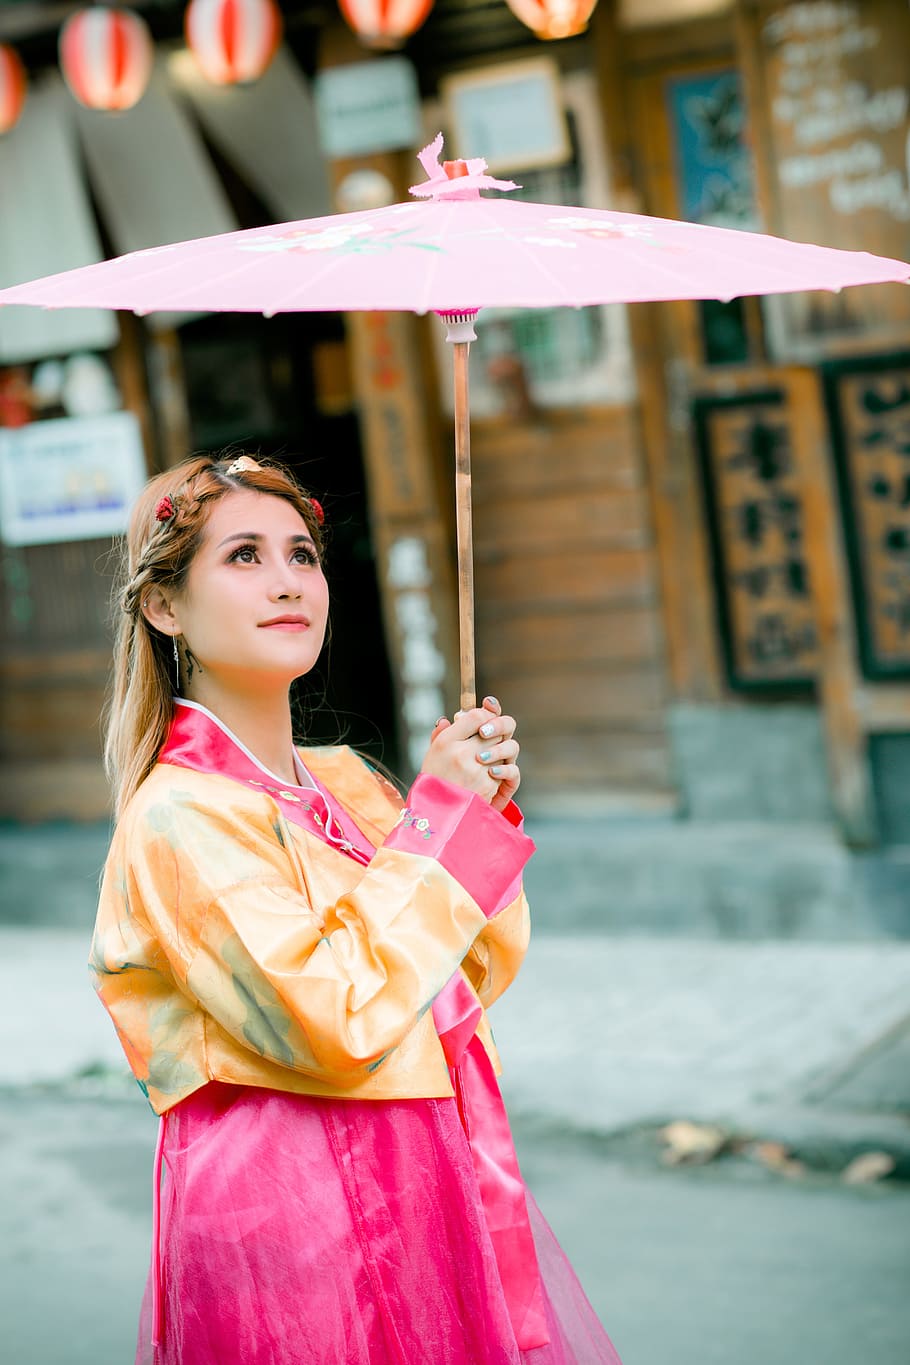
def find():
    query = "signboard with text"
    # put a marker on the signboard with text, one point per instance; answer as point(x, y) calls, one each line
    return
point(70, 479)
point(368, 107)
point(756, 525)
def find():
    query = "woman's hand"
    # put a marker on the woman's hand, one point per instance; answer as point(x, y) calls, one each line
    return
point(484, 763)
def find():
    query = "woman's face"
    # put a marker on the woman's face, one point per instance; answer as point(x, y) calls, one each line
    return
point(255, 602)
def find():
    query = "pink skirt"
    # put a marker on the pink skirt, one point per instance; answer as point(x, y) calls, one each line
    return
point(299, 1231)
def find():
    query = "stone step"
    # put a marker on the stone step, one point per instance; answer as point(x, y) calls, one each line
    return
point(614, 876)
point(714, 880)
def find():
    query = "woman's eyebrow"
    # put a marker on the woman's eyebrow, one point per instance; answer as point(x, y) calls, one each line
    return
point(254, 535)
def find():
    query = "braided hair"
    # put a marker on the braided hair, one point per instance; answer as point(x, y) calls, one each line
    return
point(166, 529)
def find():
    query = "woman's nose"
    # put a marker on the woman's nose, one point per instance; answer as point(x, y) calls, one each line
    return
point(285, 585)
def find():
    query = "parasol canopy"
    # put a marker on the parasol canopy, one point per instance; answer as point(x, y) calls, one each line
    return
point(452, 251)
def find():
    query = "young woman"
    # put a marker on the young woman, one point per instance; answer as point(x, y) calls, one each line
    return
point(298, 963)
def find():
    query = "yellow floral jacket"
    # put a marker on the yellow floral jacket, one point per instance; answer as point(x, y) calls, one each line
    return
point(239, 939)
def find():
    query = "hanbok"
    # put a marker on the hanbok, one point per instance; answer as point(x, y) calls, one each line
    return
point(328, 1221)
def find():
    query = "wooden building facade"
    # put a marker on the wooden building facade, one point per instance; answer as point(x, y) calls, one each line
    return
point(692, 519)
point(725, 550)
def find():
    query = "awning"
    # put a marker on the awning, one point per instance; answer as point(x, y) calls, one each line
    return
point(153, 181)
point(267, 130)
point(152, 177)
point(46, 225)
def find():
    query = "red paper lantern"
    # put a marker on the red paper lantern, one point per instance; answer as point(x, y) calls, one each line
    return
point(385, 23)
point(12, 88)
point(553, 18)
point(106, 57)
point(233, 41)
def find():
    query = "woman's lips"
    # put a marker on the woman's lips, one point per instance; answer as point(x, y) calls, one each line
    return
point(285, 625)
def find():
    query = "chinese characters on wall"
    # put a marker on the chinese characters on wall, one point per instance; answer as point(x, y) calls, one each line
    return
point(834, 129)
point(756, 521)
point(870, 408)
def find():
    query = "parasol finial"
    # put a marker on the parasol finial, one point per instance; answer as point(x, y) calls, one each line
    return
point(455, 179)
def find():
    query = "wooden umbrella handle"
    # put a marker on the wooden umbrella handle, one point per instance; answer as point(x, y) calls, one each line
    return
point(463, 526)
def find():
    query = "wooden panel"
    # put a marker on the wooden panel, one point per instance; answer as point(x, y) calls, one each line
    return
point(562, 701)
point(599, 756)
point(568, 624)
point(56, 596)
point(568, 637)
point(830, 115)
point(687, 41)
point(42, 723)
point(604, 520)
point(838, 677)
point(557, 456)
point(92, 665)
point(55, 789)
point(532, 581)
point(869, 402)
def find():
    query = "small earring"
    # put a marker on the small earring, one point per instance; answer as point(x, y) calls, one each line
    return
point(176, 661)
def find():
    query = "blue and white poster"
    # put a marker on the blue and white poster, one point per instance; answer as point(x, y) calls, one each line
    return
point(714, 174)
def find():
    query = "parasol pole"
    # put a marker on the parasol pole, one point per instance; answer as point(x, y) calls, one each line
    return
point(460, 333)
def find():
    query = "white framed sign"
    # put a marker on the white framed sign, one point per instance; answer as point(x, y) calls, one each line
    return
point(368, 107)
point(511, 114)
point(69, 479)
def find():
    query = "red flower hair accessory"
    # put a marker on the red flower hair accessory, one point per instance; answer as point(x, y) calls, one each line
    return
point(165, 509)
point(317, 509)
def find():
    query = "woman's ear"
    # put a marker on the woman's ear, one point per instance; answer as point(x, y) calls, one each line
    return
point(159, 611)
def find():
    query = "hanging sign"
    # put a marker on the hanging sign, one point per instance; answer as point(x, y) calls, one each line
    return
point(511, 113)
point(368, 107)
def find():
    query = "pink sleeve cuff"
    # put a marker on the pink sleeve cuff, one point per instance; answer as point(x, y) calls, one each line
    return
point(515, 818)
point(484, 852)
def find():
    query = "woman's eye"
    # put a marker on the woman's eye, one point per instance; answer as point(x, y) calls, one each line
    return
point(246, 554)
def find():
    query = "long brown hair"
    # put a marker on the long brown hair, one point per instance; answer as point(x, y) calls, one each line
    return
point(158, 553)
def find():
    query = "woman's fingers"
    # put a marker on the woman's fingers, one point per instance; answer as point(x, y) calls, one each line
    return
point(507, 786)
point(506, 751)
point(477, 750)
point(467, 724)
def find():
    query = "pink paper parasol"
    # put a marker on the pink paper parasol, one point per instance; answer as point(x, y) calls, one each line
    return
point(453, 253)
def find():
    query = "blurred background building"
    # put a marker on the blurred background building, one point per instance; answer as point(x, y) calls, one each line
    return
point(692, 519)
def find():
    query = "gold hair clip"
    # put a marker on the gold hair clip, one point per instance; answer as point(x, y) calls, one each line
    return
point(242, 464)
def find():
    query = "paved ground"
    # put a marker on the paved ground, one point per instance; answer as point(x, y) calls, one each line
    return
point(604, 1038)
point(724, 1265)
point(802, 1042)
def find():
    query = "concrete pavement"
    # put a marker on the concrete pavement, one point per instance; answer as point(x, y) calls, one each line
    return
point(726, 1264)
point(805, 1043)
point(604, 1037)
